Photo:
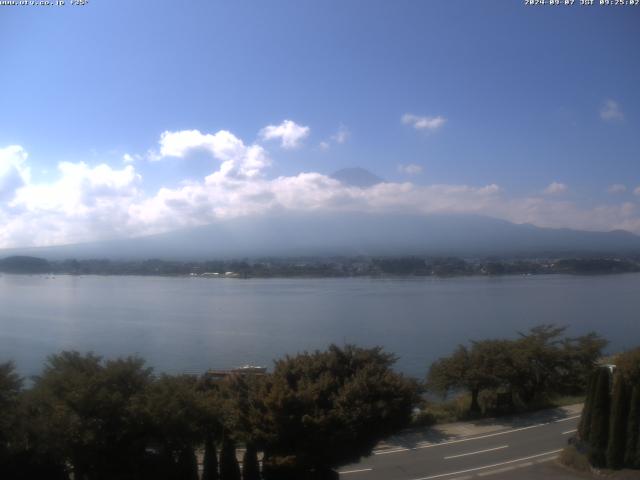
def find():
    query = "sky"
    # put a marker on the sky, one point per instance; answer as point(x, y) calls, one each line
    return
point(121, 119)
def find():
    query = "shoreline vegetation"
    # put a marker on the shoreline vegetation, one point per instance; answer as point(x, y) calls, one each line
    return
point(328, 267)
point(313, 412)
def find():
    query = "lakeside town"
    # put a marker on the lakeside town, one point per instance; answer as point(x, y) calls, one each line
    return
point(331, 267)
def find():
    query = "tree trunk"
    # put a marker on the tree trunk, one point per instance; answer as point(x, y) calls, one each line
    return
point(474, 409)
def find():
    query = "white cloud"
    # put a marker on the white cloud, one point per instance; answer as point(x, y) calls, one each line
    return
point(410, 169)
point(423, 123)
point(636, 191)
point(611, 111)
point(92, 202)
point(14, 171)
point(616, 188)
point(129, 158)
point(288, 132)
point(555, 188)
point(342, 135)
point(237, 158)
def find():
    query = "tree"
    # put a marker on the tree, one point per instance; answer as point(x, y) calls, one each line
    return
point(10, 388)
point(600, 419)
point(325, 409)
point(179, 414)
point(85, 407)
point(539, 363)
point(584, 429)
point(628, 364)
point(187, 464)
point(250, 466)
point(210, 462)
point(618, 423)
point(631, 457)
point(488, 364)
point(229, 468)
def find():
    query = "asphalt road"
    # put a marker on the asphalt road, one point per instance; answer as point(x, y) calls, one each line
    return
point(477, 456)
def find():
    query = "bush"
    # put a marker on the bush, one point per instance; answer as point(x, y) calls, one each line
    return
point(575, 460)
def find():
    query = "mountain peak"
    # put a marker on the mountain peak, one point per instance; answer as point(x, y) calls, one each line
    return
point(356, 177)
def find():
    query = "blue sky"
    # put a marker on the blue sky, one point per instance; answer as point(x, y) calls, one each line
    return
point(493, 107)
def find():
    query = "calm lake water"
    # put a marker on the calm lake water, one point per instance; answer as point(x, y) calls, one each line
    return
point(191, 324)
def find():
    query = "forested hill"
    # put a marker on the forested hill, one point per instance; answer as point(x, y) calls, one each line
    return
point(24, 264)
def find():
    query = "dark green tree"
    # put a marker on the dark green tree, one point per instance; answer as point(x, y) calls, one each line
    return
point(631, 457)
point(618, 423)
point(84, 407)
point(250, 466)
point(187, 464)
point(584, 428)
point(179, 414)
point(599, 435)
point(210, 462)
point(328, 408)
point(229, 468)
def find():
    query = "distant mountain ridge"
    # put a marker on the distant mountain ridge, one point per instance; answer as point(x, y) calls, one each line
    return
point(349, 234)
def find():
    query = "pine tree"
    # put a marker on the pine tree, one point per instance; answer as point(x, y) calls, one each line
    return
point(229, 468)
point(584, 428)
point(633, 430)
point(210, 463)
point(618, 423)
point(250, 467)
point(598, 438)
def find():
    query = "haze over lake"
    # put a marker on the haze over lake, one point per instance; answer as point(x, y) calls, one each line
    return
point(191, 324)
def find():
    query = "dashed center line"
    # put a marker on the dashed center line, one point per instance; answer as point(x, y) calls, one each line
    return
point(505, 432)
point(501, 447)
point(508, 462)
point(570, 431)
point(356, 471)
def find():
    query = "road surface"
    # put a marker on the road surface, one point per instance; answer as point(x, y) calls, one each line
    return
point(463, 458)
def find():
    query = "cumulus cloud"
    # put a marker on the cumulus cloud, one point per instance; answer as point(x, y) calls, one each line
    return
point(85, 203)
point(611, 111)
point(237, 158)
point(616, 188)
point(423, 123)
point(91, 202)
point(410, 169)
point(288, 132)
point(555, 188)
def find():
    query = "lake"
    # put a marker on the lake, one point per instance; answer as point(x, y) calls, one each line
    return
point(191, 324)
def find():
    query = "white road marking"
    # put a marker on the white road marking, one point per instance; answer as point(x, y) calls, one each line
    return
point(495, 472)
point(570, 431)
point(476, 453)
point(490, 466)
point(505, 432)
point(356, 471)
point(566, 419)
point(542, 460)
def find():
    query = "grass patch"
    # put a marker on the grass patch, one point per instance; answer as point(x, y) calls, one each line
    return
point(457, 408)
point(570, 457)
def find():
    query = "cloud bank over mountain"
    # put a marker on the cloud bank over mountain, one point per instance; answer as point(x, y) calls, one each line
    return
point(88, 202)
